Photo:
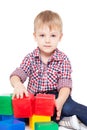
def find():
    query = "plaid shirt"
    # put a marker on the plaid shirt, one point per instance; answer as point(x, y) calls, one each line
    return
point(43, 77)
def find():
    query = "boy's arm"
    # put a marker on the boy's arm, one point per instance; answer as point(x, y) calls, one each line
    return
point(19, 89)
point(64, 93)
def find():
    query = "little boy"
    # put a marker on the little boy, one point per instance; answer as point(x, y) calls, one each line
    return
point(48, 69)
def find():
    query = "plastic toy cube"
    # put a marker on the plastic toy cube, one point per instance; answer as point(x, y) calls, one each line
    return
point(44, 104)
point(0, 117)
point(12, 125)
point(37, 118)
point(23, 108)
point(46, 126)
point(7, 117)
point(6, 104)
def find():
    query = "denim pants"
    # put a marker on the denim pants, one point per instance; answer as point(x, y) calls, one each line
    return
point(71, 108)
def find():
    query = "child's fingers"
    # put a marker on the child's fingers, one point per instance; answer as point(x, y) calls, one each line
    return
point(15, 95)
point(58, 115)
point(26, 93)
point(21, 95)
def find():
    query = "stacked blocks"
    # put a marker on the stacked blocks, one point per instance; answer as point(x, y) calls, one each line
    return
point(44, 104)
point(37, 118)
point(44, 109)
point(6, 105)
point(38, 109)
point(46, 126)
point(12, 125)
point(24, 107)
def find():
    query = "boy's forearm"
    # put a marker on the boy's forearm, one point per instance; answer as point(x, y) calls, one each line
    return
point(15, 81)
point(63, 95)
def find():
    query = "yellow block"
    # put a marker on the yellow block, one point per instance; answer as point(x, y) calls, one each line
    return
point(37, 118)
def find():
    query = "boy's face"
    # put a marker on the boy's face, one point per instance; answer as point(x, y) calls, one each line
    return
point(47, 40)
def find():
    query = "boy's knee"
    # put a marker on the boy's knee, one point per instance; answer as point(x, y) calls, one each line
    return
point(66, 110)
point(68, 107)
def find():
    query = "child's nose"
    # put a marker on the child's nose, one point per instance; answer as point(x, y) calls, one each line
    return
point(47, 39)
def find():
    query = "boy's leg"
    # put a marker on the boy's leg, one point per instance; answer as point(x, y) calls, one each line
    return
point(73, 108)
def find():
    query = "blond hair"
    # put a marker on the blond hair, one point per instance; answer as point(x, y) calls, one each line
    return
point(50, 18)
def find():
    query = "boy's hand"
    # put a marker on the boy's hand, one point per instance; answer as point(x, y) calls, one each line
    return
point(20, 91)
point(58, 106)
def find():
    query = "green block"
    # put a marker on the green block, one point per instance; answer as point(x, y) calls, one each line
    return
point(6, 104)
point(46, 125)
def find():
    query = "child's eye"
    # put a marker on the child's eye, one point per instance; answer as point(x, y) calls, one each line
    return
point(42, 35)
point(53, 35)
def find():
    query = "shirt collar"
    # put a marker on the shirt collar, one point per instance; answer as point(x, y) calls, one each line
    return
point(57, 55)
point(37, 52)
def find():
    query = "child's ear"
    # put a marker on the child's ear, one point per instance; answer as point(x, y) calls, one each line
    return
point(34, 34)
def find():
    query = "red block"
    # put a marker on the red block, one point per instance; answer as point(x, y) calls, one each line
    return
point(24, 107)
point(44, 104)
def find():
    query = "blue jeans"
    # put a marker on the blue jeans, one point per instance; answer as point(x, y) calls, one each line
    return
point(71, 108)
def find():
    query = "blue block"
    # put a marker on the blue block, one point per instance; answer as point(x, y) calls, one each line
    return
point(12, 124)
point(0, 117)
point(7, 117)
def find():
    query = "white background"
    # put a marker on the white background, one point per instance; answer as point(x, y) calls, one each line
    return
point(16, 38)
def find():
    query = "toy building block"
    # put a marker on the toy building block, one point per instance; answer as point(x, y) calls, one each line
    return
point(44, 104)
point(23, 108)
point(6, 104)
point(7, 117)
point(12, 125)
point(46, 125)
point(37, 118)
point(0, 117)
